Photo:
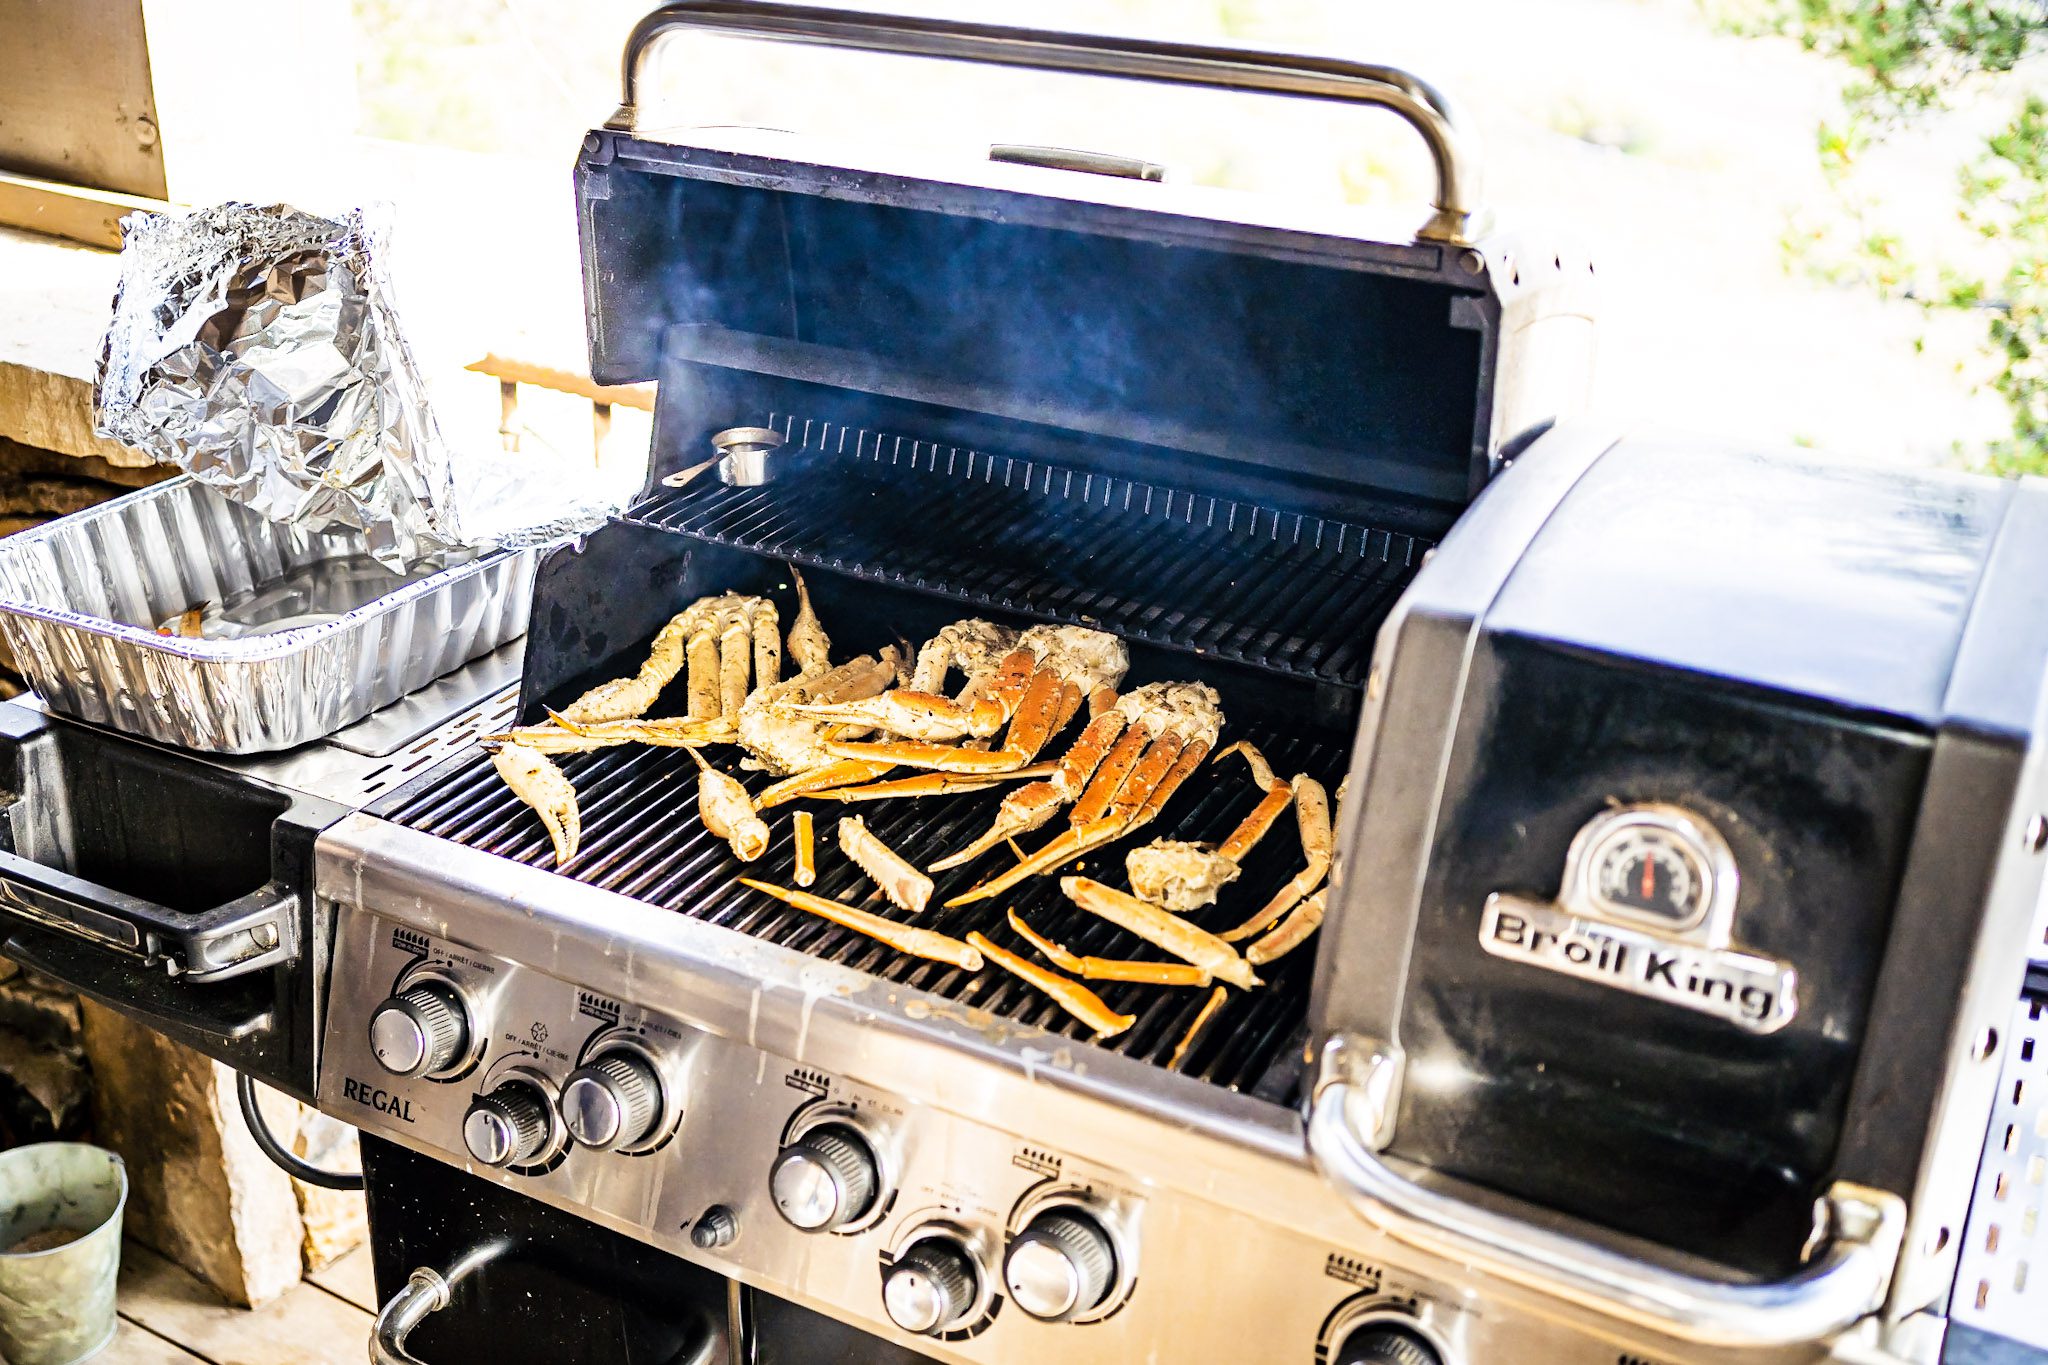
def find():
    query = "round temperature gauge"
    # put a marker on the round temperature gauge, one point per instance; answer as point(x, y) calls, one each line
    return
point(1648, 867)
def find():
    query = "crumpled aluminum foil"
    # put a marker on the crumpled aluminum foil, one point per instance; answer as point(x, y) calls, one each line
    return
point(258, 349)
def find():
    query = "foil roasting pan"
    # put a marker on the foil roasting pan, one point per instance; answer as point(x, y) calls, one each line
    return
point(300, 632)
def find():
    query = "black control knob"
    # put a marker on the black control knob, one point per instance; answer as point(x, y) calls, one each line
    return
point(1061, 1266)
point(612, 1101)
point(932, 1286)
point(419, 1031)
point(825, 1179)
point(509, 1126)
point(1385, 1343)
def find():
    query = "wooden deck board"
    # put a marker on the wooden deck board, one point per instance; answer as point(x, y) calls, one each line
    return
point(135, 1345)
point(308, 1326)
point(352, 1279)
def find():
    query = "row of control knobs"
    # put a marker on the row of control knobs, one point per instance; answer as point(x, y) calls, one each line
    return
point(1061, 1266)
point(612, 1102)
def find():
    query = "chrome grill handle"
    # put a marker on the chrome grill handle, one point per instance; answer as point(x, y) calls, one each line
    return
point(1350, 1121)
point(1457, 216)
point(425, 1294)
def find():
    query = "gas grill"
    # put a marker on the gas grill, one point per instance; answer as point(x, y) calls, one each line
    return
point(1692, 838)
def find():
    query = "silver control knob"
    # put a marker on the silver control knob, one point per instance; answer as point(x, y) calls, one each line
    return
point(933, 1285)
point(1061, 1266)
point(419, 1031)
point(1385, 1343)
point(509, 1126)
point(612, 1101)
point(825, 1179)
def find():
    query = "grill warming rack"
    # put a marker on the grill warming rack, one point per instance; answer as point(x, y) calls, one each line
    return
point(1286, 592)
point(642, 838)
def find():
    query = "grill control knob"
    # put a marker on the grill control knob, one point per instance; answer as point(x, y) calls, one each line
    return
point(612, 1101)
point(509, 1126)
point(825, 1179)
point(419, 1031)
point(1385, 1343)
point(1060, 1266)
point(933, 1285)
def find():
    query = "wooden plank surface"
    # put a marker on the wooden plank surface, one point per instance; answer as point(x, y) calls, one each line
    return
point(139, 1346)
point(307, 1326)
point(352, 1279)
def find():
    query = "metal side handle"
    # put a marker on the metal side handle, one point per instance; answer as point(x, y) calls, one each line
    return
point(1350, 1121)
point(426, 1292)
point(1456, 204)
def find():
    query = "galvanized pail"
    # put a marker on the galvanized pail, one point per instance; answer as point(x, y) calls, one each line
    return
point(60, 1251)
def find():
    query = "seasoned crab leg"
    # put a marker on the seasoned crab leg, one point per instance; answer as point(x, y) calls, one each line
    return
point(1202, 1018)
point(932, 784)
point(565, 736)
point(1182, 876)
point(1187, 717)
point(541, 785)
point(1071, 996)
point(924, 716)
point(1293, 931)
point(903, 938)
point(906, 887)
point(1028, 808)
point(723, 806)
point(819, 781)
point(625, 698)
point(1161, 930)
point(1312, 813)
point(1110, 969)
point(806, 864)
point(809, 646)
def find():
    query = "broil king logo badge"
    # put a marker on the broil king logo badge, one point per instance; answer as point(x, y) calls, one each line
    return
point(1647, 907)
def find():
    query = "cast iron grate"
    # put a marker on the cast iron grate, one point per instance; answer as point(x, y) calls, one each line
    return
point(641, 838)
point(1284, 591)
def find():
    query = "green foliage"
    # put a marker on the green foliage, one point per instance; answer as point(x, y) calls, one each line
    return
point(1916, 58)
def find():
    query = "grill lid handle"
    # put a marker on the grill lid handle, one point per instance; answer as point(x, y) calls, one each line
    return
point(1456, 219)
point(1351, 1120)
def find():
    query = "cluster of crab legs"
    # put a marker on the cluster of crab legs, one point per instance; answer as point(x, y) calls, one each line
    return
point(882, 725)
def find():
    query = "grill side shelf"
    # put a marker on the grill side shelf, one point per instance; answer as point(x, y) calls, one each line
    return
point(1285, 592)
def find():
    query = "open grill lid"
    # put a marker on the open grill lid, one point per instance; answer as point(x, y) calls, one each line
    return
point(1275, 344)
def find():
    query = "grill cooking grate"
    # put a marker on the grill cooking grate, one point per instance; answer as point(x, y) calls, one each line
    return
point(641, 838)
point(1283, 591)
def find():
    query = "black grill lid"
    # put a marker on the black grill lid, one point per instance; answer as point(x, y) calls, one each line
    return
point(1259, 335)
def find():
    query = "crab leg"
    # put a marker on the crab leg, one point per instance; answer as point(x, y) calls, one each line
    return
point(566, 736)
point(541, 785)
point(1032, 726)
point(1110, 776)
point(723, 806)
point(766, 630)
point(1312, 813)
point(906, 887)
point(943, 758)
point(809, 646)
point(702, 652)
point(903, 938)
point(1110, 969)
point(819, 780)
point(1161, 930)
point(1071, 996)
point(806, 864)
point(625, 698)
point(1070, 845)
point(1305, 919)
point(735, 656)
point(1029, 808)
point(931, 784)
point(1187, 1040)
point(918, 715)
point(1254, 826)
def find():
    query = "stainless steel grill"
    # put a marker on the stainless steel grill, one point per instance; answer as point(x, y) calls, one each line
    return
point(641, 838)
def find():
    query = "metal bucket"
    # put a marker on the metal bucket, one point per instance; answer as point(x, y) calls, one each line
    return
point(60, 1251)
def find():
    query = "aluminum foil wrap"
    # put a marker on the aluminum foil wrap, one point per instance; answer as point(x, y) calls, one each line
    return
point(258, 349)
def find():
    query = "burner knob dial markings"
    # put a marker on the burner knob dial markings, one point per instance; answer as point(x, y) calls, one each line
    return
point(825, 1179)
point(932, 1286)
point(508, 1127)
point(1385, 1343)
point(419, 1031)
point(1061, 1265)
point(612, 1101)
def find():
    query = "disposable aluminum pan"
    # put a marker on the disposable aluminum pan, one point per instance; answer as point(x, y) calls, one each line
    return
point(317, 634)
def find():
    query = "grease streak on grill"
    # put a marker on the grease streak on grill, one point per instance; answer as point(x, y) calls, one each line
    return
point(641, 838)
